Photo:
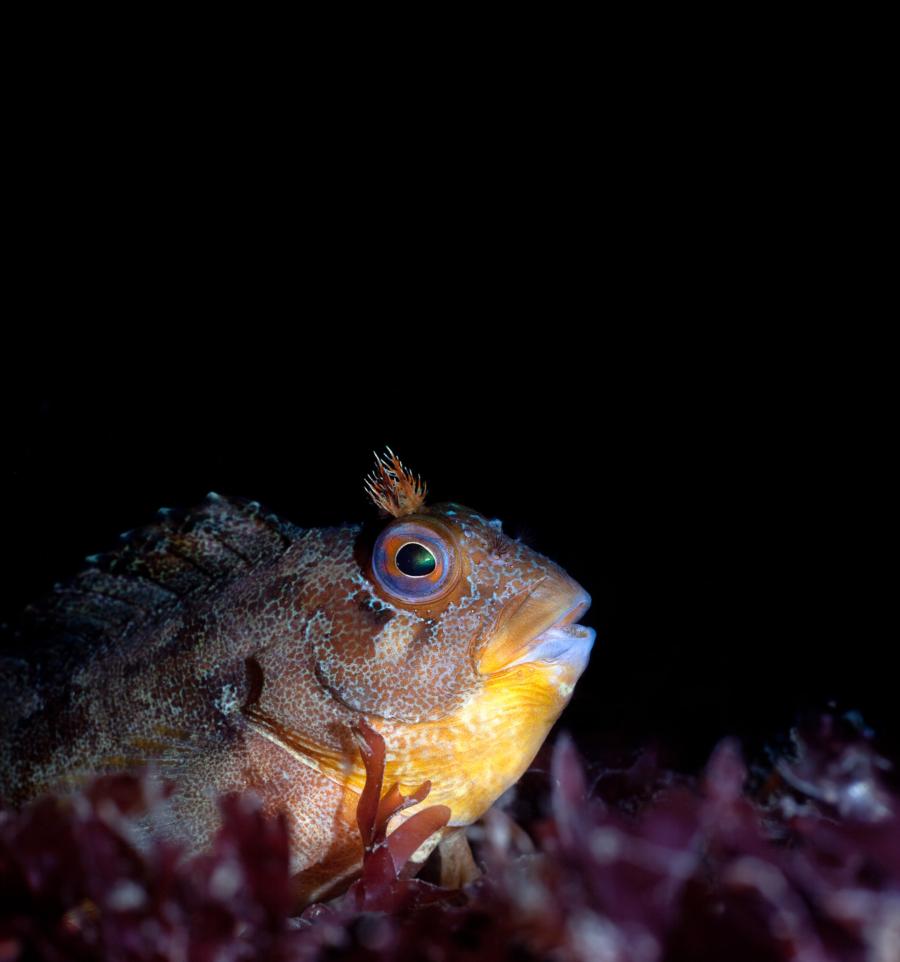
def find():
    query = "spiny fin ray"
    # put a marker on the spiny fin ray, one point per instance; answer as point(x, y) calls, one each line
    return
point(149, 577)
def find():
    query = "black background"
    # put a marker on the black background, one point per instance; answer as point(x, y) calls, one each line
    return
point(643, 328)
point(720, 494)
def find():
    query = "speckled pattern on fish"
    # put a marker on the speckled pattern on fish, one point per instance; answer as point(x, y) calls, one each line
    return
point(234, 651)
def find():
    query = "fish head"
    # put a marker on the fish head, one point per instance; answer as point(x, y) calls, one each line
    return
point(441, 601)
point(460, 644)
point(486, 601)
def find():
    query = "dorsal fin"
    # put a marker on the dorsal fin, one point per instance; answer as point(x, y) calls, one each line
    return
point(156, 570)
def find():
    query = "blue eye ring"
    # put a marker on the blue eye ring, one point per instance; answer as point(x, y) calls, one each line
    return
point(413, 580)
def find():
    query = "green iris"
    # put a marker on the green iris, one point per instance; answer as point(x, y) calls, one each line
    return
point(415, 560)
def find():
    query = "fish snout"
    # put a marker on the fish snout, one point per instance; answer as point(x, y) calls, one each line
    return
point(541, 625)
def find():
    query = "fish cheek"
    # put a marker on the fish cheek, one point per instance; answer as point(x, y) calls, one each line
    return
point(393, 666)
point(345, 656)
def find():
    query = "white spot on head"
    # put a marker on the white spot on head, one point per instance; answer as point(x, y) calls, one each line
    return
point(227, 702)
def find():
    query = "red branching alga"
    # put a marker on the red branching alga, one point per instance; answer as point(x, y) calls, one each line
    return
point(635, 865)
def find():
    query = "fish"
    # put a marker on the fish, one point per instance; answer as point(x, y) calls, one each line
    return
point(231, 650)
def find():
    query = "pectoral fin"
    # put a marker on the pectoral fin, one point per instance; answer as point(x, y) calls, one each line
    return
point(333, 763)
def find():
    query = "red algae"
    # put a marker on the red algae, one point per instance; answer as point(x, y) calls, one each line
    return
point(638, 864)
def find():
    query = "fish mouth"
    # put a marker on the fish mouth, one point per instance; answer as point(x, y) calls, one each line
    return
point(542, 627)
point(566, 641)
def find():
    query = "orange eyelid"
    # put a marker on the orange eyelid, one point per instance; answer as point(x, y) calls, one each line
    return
point(406, 530)
point(413, 521)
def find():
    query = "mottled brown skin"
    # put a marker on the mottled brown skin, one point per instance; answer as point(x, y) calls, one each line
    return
point(253, 675)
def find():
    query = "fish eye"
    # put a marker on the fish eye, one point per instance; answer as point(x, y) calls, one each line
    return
point(415, 561)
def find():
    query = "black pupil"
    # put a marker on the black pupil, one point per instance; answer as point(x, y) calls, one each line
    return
point(415, 560)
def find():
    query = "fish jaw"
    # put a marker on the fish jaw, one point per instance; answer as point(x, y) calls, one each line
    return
point(561, 644)
point(528, 670)
point(541, 625)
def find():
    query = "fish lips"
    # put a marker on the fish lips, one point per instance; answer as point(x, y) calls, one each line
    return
point(533, 632)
